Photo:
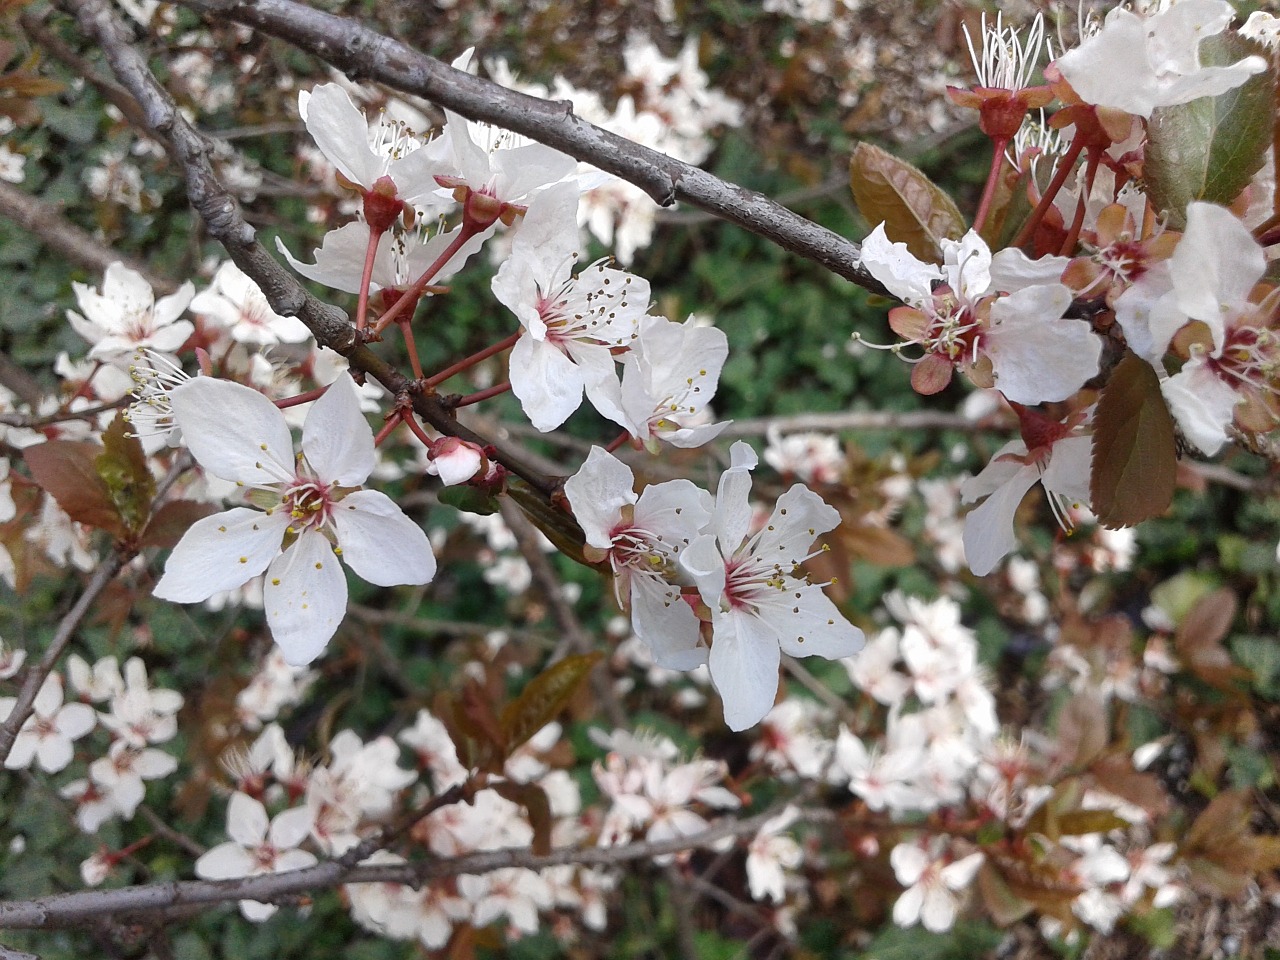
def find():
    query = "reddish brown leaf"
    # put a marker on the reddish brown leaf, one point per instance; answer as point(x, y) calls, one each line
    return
point(67, 471)
point(1134, 454)
point(913, 209)
point(172, 520)
point(543, 697)
point(536, 804)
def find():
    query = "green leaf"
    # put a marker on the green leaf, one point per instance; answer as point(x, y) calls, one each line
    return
point(914, 210)
point(543, 697)
point(1209, 149)
point(122, 465)
point(1135, 459)
point(469, 499)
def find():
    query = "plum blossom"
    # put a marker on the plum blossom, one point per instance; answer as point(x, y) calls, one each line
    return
point(1054, 456)
point(125, 316)
point(641, 539)
point(238, 434)
point(1020, 343)
point(1212, 276)
point(772, 853)
point(571, 323)
point(760, 606)
point(46, 736)
point(257, 846)
point(1138, 64)
point(385, 158)
point(669, 376)
point(234, 301)
point(933, 881)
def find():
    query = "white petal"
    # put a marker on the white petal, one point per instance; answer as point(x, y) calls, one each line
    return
point(246, 820)
point(1215, 265)
point(339, 258)
point(221, 552)
point(341, 132)
point(547, 383)
point(811, 626)
point(336, 438)
point(380, 543)
point(305, 596)
point(597, 493)
point(667, 624)
point(1037, 356)
point(1202, 403)
point(705, 564)
point(225, 861)
point(908, 279)
point(744, 667)
point(234, 432)
point(988, 529)
point(290, 827)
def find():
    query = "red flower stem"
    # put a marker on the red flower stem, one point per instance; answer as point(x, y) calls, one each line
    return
point(411, 295)
point(393, 421)
point(412, 423)
point(307, 397)
point(993, 177)
point(370, 255)
point(504, 344)
point(407, 329)
point(479, 395)
point(1073, 235)
point(618, 442)
point(1059, 178)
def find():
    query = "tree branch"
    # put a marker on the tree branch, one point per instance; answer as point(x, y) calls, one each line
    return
point(361, 52)
point(72, 909)
point(221, 214)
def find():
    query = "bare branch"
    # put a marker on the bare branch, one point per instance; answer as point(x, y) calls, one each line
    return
point(361, 52)
point(73, 909)
point(62, 236)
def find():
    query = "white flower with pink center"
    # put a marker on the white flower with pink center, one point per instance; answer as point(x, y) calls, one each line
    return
point(572, 324)
point(258, 846)
point(311, 504)
point(640, 538)
point(761, 603)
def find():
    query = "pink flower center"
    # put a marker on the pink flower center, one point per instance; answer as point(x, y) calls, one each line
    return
point(309, 502)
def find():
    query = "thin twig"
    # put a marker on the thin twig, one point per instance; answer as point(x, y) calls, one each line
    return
point(67, 626)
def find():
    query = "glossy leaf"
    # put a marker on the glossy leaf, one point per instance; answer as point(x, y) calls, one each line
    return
point(543, 697)
point(1209, 149)
point(67, 471)
point(1135, 460)
point(914, 210)
point(122, 465)
point(556, 524)
point(469, 499)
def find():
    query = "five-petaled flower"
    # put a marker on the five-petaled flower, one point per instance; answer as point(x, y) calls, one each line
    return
point(311, 504)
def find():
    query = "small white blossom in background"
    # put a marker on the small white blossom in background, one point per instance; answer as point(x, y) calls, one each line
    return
point(124, 317)
point(235, 303)
point(11, 661)
point(935, 882)
point(770, 855)
point(46, 736)
point(276, 685)
point(258, 846)
point(809, 457)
